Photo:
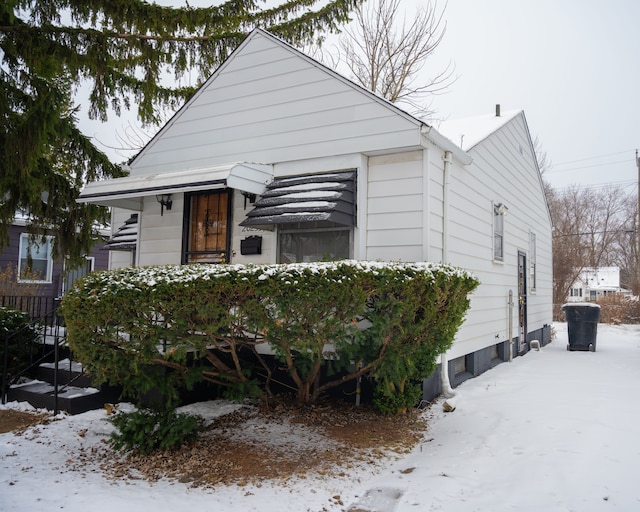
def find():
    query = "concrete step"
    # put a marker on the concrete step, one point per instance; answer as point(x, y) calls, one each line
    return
point(72, 399)
point(68, 372)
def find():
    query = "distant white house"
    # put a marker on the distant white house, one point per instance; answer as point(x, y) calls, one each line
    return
point(277, 158)
point(594, 283)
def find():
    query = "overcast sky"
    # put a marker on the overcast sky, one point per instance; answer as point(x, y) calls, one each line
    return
point(573, 66)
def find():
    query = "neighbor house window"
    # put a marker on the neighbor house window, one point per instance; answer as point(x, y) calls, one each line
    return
point(532, 260)
point(207, 227)
point(311, 242)
point(498, 232)
point(35, 263)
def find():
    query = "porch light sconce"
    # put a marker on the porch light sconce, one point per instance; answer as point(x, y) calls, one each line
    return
point(501, 209)
point(248, 197)
point(165, 202)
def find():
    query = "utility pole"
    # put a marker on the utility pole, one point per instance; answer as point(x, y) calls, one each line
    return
point(638, 229)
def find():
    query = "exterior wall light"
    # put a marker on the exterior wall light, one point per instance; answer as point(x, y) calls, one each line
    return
point(501, 209)
point(165, 202)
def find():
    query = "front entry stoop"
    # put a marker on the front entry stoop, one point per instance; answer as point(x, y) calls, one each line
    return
point(74, 398)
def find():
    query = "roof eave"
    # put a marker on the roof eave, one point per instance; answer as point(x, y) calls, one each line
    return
point(434, 136)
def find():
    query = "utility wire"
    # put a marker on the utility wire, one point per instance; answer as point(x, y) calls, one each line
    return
point(603, 164)
point(626, 231)
point(594, 186)
point(595, 157)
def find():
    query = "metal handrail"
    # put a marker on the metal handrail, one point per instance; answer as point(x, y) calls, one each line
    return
point(6, 382)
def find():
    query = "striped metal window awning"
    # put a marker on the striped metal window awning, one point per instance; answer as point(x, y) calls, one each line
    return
point(126, 238)
point(329, 197)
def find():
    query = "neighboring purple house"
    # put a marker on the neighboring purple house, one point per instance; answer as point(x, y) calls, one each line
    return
point(47, 279)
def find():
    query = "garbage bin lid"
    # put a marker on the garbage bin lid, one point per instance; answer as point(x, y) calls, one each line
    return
point(569, 305)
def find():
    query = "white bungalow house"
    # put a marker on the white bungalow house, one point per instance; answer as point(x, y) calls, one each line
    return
point(594, 283)
point(278, 158)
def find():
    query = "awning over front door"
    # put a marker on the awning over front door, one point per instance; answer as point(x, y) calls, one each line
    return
point(308, 198)
point(127, 192)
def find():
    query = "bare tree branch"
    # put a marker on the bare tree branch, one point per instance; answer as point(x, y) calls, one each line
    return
point(591, 229)
point(387, 53)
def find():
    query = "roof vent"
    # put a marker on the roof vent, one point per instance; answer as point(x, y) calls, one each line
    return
point(498, 110)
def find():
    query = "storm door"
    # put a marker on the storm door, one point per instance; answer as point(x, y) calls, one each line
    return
point(522, 300)
point(207, 227)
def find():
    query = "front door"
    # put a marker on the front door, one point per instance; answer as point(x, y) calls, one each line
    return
point(207, 227)
point(522, 300)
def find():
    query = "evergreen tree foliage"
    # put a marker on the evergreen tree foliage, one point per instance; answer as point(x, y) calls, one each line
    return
point(122, 50)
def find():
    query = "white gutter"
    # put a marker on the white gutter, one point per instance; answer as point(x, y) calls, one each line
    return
point(445, 144)
point(447, 391)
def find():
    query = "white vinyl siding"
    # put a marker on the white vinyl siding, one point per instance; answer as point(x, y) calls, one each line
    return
point(160, 236)
point(288, 106)
point(503, 167)
point(395, 207)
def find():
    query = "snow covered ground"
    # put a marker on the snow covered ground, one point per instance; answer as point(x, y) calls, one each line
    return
point(551, 431)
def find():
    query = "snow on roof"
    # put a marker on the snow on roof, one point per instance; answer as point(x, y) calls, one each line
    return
point(469, 131)
point(601, 278)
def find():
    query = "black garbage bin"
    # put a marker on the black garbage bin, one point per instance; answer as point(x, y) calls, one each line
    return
point(582, 324)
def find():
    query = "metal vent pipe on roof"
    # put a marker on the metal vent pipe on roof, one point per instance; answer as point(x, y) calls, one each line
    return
point(497, 109)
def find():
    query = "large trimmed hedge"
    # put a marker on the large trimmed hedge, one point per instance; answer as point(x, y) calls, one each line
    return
point(340, 320)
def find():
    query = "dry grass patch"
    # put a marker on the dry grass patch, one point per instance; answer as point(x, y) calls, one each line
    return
point(256, 444)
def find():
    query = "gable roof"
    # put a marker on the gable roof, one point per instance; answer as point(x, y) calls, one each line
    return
point(601, 278)
point(269, 93)
point(469, 132)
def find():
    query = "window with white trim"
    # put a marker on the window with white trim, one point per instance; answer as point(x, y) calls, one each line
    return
point(499, 211)
point(35, 260)
point(532, 261)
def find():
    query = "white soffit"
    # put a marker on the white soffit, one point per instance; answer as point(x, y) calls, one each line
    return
point(128, 192)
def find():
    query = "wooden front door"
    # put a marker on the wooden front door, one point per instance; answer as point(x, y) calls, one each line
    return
point(207, 223)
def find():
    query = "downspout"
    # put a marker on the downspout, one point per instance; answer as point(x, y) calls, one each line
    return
point(447, 391)
point(510, 326)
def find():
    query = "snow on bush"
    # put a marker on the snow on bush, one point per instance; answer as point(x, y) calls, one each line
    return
point(153, 327)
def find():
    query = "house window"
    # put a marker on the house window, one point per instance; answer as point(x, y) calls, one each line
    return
point(499, 211)
point(313, 242)
point(35, 263)
point(532, 261)
point(207, 227)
